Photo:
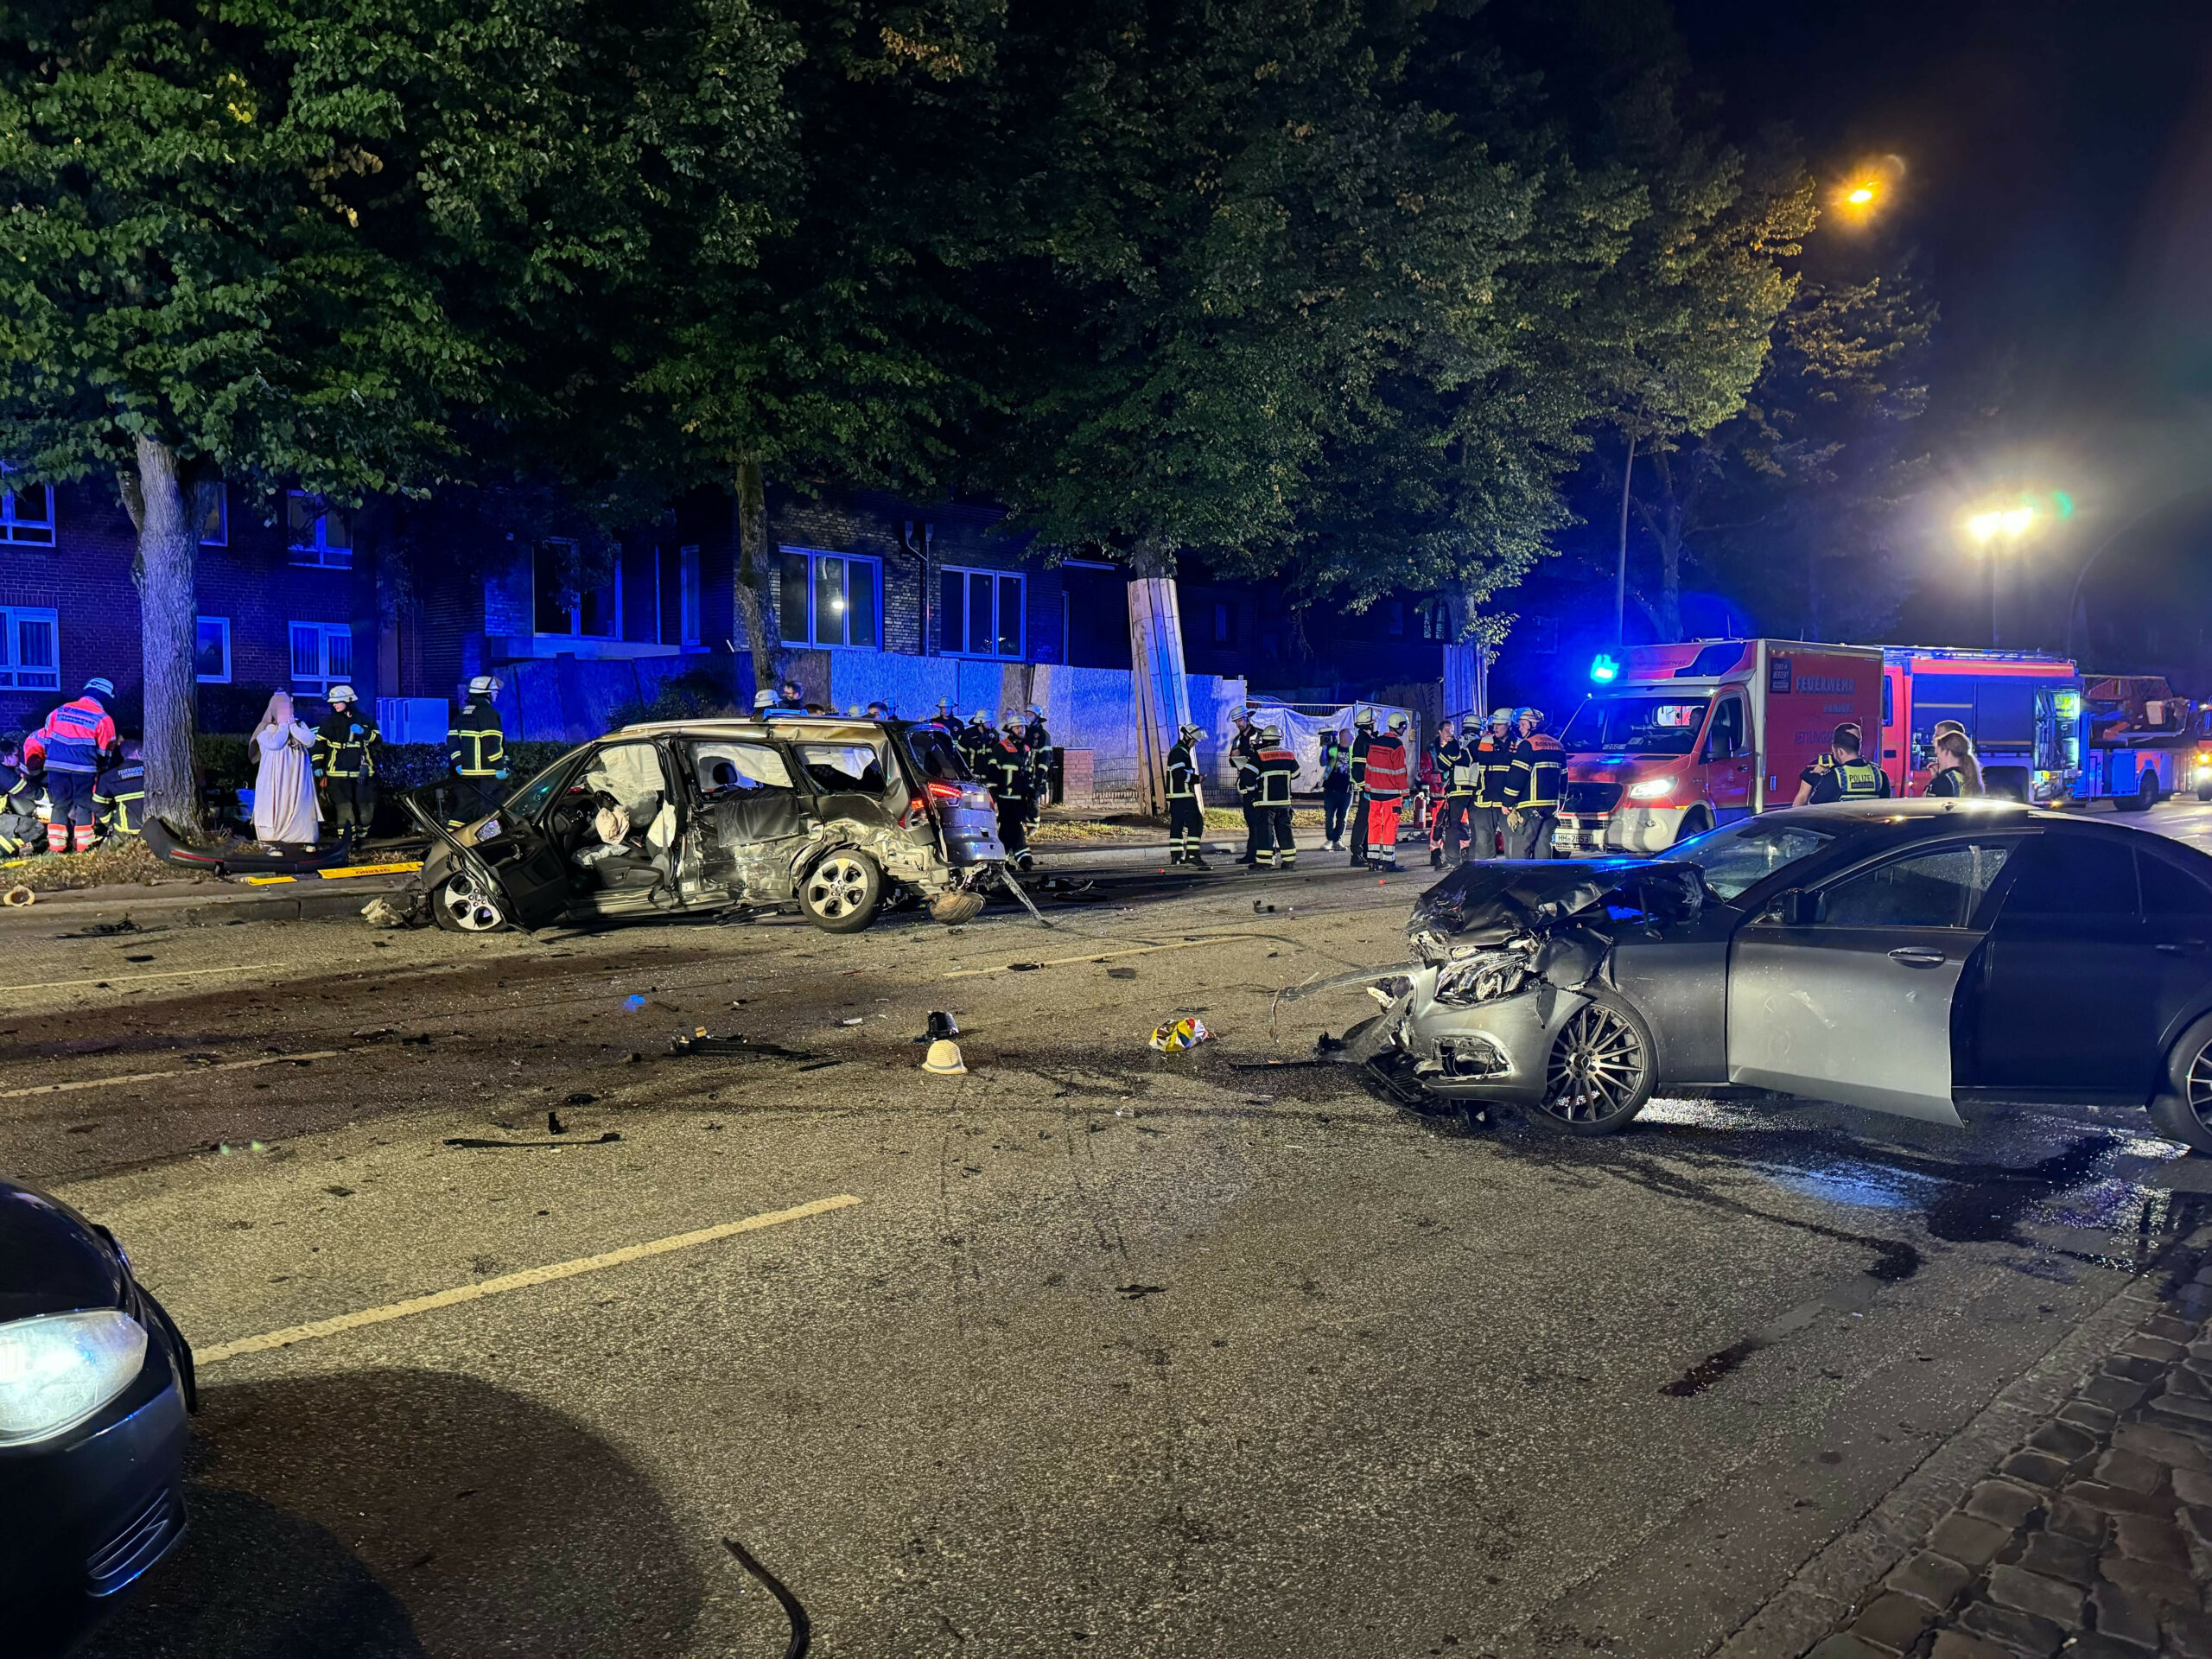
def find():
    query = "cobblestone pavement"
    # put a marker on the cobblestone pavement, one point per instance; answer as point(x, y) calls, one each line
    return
point(2093, 1537)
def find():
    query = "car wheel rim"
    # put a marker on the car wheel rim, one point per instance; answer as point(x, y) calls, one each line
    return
point(837, 888)
point(2200, 1085)
point(470, 909)
point(1596, 1067)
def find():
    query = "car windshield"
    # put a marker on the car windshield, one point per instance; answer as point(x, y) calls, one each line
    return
point(527, 801)
point(1738, 856)
point(1635, 726)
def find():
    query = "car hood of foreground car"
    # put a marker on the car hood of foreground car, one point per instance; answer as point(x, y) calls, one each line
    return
point(1500, 901)
point(52, 1260)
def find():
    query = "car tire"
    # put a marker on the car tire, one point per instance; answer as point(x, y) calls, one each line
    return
point(1695, 821)
point(1600, 1072)
point(459, 908)
point(2204, 791)
point(2182, 1109)
point(842, 893)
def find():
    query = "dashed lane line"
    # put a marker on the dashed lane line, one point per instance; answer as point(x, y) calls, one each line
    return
point(157, 1076)
point(522, 1281)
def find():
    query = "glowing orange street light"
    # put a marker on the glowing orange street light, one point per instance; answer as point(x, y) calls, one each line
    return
point(1861, 195)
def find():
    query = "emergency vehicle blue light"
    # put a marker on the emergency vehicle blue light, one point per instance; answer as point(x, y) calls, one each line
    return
point(1604, 669)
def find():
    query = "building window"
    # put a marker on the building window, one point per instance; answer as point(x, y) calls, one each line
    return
point(26, 515)
point(982, 611)
point(561, 604)
point(211, 651)
point(322, 655)
point(321, 535)
point(676, 596)
point(30, 650)
point(1224, 634)
point(215, 528)
point(1436, 619)
point(829, 598)
point(687, 566)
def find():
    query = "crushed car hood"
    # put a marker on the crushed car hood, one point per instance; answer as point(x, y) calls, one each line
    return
point(1497, 902)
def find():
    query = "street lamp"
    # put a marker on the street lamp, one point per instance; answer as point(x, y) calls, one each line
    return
point(1993, 530)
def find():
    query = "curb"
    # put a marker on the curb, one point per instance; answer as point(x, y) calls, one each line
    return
point(215, 910)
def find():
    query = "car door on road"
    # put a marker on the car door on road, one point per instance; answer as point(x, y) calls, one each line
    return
point(1852, 1001)
point(2096, 948)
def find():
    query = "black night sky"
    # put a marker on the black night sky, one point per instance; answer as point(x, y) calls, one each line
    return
point(2058, 190)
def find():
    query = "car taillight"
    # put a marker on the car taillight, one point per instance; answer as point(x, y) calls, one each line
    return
point(941, 790)
point(916, 815)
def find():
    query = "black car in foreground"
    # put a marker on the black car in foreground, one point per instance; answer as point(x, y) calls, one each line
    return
point(1909, 957)
point(95, 1382)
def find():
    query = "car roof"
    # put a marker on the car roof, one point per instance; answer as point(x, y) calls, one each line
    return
point(1908, 820)
point(744, 726)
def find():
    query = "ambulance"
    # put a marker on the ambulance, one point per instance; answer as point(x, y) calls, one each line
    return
point(1682, 738)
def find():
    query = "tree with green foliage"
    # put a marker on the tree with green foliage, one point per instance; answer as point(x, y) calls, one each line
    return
point(280, 243)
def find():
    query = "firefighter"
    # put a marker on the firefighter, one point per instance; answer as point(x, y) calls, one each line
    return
point(1034, 733)
point(879, 709)
point(1278, 771)
point(976, 741)
point(477, 745)
point(1532, 789)
point(1038, 740)
point(69, 747)
point(1493, 765)
point(944, 715)
point(119, 795)
point(1850, 778)
point(1187, 815)
point(345, 761)
point(1810, 778)
point(20, 832)
point(1244, 745)
point(1006, 770)
point(1336, 787)
point(1379, 779)
point(1459, 772)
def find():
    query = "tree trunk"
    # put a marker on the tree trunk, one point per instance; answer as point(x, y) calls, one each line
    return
point(1670, 589)
point(168, 547)
point(752, 576)
point(1161, 696)
point(1620, 577)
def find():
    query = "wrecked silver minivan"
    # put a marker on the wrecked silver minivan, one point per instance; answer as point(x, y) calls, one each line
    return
point(835, 818)
point(1512, 998)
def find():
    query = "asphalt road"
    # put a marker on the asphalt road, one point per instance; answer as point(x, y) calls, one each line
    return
point(1113, 1353)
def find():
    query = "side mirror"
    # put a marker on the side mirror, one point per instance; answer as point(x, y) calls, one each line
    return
point(1799, 908)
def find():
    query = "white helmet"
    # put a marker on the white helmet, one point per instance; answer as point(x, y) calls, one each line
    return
point(1398, 722)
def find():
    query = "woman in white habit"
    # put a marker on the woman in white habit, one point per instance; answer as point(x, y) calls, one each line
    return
point(285, 810)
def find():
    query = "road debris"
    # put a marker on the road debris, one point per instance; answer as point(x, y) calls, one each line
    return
point(1184, 1033)
point(737, 1046)
point(470, 1140)
point(1121, 972)
point(17, 897)
point(944, 1059)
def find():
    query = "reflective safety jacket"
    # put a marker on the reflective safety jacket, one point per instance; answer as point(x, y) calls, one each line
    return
point(1278, 770)
point(476, 742)
point(1336, 762)
point(74, 737)
point(1539, 775)
point(1037, 737)
point(1006, 771)
point(346, 744)
point(1182, 774)
point(119, 798)
point(1378, 764)
point(1494, 764)
point(1851, 780)
point(1455, 759)
point(19, 824)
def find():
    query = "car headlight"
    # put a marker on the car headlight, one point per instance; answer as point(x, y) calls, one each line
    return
point(1651, 789)
point(59, 1368)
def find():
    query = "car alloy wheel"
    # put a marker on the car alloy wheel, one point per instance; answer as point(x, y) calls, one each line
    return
point(2198, 1086)
point(463, 908)
point(1597, 1071)
point(838, 886)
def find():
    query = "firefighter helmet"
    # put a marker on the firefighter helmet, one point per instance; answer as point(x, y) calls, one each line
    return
point(1365, 718)
point(1398, 721)
point(1500, 717)
point(1536, 715)
point(1270, 733)
point(100, 686)
point(764, 700)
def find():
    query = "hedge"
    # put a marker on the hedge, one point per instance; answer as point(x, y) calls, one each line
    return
point(225, 763)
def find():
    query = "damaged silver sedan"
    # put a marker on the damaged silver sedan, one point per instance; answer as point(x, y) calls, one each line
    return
point(1913, 957)
point(835, 819)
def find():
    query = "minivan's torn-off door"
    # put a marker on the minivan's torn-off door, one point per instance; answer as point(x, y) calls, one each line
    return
point(1852, 1001)
point(519, 865)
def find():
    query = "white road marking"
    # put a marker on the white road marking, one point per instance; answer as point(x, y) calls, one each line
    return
point(156, 1076)
point(176, 973)
point(529, 1276)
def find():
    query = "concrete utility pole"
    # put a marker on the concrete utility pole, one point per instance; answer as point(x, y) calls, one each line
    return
point(1160, 692)
point(1620, 576)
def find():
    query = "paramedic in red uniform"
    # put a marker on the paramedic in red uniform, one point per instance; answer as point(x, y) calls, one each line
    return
point(72, 746)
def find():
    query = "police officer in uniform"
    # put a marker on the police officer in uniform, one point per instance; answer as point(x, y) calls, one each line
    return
point(476, 743)
point(1336, 788)
point(1461, 772)
point(1851, 777)
point(345, 761)
point(1278, 771)
point(1187, 820)
point(1493, 765)
point(1006, 770)
point(119, 795)
point(1809, 779)
point(1532, 789)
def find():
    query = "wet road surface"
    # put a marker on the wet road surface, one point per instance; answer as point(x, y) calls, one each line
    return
point(1115, 1354)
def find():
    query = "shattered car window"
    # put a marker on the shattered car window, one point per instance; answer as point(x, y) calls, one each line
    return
point(843, 767)
point(936, 754)
point(526, 802)
point(738, 768)
point(1737, 858)
point(1635, 726)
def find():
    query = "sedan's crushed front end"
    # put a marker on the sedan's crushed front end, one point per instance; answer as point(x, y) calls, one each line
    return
point(1509, 954)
